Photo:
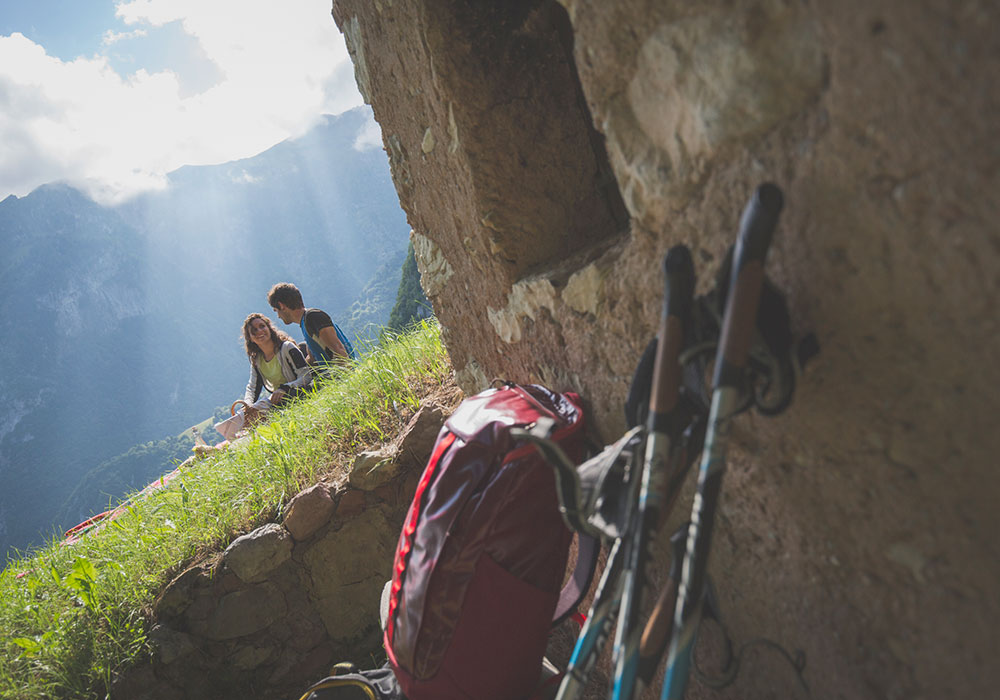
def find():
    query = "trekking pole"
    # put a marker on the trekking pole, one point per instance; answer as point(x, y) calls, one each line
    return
point(656, 633)
point(623, 559)
point(665, 425)
point(738, 327)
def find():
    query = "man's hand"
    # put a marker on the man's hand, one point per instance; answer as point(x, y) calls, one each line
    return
point(277, 397)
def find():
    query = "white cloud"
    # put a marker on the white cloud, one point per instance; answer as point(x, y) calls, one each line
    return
point(244, 178)
point(111, 37)
point(83, 123)
point(370, 136)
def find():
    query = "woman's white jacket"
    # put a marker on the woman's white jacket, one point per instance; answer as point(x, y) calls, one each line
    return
point(296, 372)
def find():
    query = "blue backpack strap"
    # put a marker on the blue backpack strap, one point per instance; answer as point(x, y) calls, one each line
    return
point(347, 344)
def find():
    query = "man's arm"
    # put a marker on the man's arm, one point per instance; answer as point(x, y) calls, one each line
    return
point(328, 336)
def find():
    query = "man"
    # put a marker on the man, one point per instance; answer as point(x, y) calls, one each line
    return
point(326, 342)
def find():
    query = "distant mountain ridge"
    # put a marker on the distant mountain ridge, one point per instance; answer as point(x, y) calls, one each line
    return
point(120, 325)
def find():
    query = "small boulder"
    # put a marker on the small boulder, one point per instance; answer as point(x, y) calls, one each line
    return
point(170, 644)
point(374, 468)
point(419, 435)
point(245, 612)
point(255, 554)
point(249, 658)
point(308, 512)
point(181, 592)
point(347, 569)
point(351, 504)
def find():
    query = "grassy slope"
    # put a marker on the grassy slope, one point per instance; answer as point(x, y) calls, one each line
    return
point(70, 617)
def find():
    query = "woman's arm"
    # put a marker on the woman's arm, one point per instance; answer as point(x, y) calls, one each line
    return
point(297, 372)
point(254, 386)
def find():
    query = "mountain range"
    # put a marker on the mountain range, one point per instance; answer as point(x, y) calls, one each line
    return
point(121, 324)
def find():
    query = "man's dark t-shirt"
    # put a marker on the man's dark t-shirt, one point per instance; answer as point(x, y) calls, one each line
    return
point(311, 323)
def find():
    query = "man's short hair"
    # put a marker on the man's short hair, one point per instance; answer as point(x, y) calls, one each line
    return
point(285, 293)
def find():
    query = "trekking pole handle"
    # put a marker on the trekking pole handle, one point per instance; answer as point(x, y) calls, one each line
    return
point(656, 633)
point(678, 293)
point(756, 230)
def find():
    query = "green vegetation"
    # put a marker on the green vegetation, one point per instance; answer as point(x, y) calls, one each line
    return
point(134, 469)
point(71, 616)
point(126, 472)
point(411, 303)
point(366, 316)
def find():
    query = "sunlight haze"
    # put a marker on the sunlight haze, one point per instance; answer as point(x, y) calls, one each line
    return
point(111, 96)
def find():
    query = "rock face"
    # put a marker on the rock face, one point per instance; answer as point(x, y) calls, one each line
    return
point(547, 155)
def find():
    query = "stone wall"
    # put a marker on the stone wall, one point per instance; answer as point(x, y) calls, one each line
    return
point(272, 613)
point(547, 155)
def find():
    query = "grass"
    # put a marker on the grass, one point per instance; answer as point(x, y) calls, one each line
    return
point(204, 425)
point(72, 616)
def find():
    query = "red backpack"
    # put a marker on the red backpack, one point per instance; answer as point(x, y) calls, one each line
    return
point(482, 554)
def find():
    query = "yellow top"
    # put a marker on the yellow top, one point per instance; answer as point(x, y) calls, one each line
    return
point(271, 371)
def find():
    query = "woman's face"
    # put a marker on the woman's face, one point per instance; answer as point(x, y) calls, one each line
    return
point(259, 331)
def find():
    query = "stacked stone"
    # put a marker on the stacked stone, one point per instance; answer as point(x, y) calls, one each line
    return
point(283, 603)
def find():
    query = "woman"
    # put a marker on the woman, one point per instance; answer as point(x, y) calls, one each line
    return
point(276, 363)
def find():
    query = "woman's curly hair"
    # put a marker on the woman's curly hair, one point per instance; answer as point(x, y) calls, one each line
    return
point(253, 350)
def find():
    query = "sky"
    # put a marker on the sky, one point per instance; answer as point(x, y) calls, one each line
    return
point(110, 95)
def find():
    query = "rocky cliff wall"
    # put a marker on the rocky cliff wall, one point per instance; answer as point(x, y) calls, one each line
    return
point(546, 156)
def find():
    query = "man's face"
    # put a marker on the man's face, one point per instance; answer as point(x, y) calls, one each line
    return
point(284, 313)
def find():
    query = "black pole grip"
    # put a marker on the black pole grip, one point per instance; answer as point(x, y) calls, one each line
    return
point(757, 224)
point(760, 218)
point(678, 295)
point(678, 275)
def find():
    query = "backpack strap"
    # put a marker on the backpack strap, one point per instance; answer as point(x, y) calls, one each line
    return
point(409, 528)
point(579, 583)
point(351, 687)
point(349, 683)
